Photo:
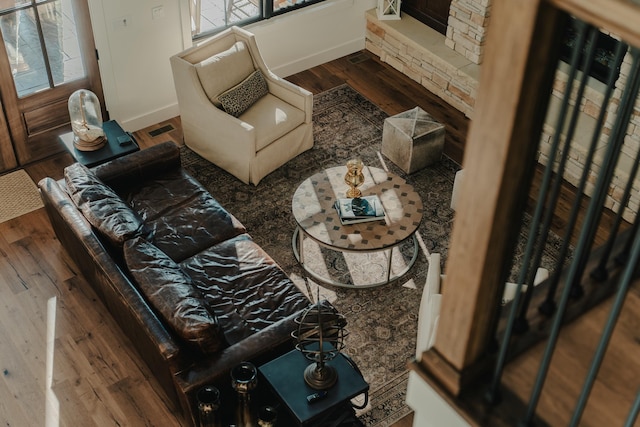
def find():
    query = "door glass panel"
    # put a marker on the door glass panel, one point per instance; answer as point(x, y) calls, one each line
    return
point(24, 51)
point(10, 5)
point(36, 67)
point(61, 41)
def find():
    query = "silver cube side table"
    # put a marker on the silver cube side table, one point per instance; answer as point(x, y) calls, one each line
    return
point(412, 139)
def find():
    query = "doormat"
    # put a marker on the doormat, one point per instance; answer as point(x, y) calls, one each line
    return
point(18, 195)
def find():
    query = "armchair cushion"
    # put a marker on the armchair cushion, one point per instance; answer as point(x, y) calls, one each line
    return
point(224, 70)
point(272, 118)
point(239, 98)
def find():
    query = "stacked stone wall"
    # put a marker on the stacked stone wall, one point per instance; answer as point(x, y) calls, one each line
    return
point(439, 76)
point(590, 106)
point(466, 29)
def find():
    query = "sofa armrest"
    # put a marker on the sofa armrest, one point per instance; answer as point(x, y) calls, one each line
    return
point(258, 348)
point(218, 366)
point(138, 166)
point(136, 319)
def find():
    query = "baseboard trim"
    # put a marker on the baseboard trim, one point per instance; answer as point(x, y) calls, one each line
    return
point(318, 58)
point(152, 118)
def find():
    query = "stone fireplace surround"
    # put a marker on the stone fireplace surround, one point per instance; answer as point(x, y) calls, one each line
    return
point(440, 65)
point(420, 53)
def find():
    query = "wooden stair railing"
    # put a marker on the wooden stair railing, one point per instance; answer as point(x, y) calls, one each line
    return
point(500, 159)
point(503, 138)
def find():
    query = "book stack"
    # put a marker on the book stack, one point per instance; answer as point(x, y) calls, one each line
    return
point(359, 209)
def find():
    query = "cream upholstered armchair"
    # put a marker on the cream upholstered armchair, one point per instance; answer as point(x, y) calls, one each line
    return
point(235, 112)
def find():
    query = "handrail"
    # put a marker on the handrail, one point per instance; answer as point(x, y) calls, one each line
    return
point(503, 138)
point(620, 17)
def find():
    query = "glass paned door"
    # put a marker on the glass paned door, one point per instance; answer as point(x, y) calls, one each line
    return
point(48, 52)
point(42, 45)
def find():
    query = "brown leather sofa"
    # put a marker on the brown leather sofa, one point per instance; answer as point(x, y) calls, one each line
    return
point(180, 275)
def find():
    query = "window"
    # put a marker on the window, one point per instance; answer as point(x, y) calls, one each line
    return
point(41, 43)
point(210, 16)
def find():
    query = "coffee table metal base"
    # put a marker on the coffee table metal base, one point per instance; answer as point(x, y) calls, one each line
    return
point(297, 242)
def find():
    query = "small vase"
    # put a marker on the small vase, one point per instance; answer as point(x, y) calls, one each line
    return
point(354, 177)
point(244, 379)
point(208, 405)
point(267, 416)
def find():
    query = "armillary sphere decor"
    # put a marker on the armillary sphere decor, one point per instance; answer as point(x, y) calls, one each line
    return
point(320, 337)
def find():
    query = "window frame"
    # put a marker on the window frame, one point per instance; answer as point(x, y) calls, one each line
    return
point(265, 12)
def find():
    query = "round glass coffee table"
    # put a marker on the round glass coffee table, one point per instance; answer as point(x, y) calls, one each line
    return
point(319, 228)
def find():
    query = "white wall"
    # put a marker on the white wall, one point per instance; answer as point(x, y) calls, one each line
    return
point(134, 55)
point(299, 40)
point(430, 409)
point(134, 51)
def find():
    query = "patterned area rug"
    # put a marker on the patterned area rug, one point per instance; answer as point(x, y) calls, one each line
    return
point(18, 195)
point(382, 321)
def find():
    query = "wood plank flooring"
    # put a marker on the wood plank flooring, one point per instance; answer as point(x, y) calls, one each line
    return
point(63, 359)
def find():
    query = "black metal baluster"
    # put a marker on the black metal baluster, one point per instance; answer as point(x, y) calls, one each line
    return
point(621, 294)
point(576, 268)
point(522, 323)
point(633, 413)
point(600, 273)
point(492, 392)
point(617, 135)
point(548, 306)
point(621, 258)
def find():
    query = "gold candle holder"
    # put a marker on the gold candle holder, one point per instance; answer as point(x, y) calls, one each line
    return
point(354, 177)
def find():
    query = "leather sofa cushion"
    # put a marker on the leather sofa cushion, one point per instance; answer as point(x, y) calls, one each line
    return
point(173, 295)
point(224, 70)
point(181, 214)
point(244, 286)
point(101, 206)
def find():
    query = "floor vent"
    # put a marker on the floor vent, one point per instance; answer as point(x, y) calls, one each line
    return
point(359, 57)
point(161, 130)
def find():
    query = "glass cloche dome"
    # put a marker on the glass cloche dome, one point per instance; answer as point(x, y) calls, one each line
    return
point(86, 120)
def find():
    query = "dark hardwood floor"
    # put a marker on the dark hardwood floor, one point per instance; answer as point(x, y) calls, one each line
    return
point(62, 355)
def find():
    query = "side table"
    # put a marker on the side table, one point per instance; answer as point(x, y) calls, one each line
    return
point(412, 139)
point(285, 376)
point(119, 143)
